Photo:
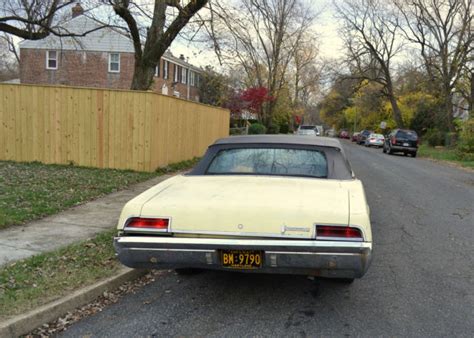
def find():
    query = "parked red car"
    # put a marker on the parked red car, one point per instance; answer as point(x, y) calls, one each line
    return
point(355, 137)
point(344, 134)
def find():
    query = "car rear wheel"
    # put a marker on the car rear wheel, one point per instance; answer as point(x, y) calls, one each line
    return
point(413, 154)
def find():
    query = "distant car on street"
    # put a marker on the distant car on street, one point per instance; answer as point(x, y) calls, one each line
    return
point(319, 130)
point(306, 130)
point(330, 133)
point(401, 141)
point(355, 136)
point(375, 140)
point(344, 134)
point(363, 136)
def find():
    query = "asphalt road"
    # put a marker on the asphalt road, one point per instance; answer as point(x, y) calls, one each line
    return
point(421, 282)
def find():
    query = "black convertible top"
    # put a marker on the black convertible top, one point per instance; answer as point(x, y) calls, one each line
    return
point(338, 166)
point(282, 139)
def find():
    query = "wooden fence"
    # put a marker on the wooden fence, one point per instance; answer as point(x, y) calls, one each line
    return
point(104, 128)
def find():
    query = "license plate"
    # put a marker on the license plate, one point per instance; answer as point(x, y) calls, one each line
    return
point(405, 144)
point(241, 259)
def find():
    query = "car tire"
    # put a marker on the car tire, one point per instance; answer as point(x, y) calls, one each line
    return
point(405, 154)
point(413, 154)
point(187, 271)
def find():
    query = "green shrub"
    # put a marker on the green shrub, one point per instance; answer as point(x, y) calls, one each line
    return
point(465, 146)
point(434, 137)
point(284, 128)
point(273, 129)
point(257, 128)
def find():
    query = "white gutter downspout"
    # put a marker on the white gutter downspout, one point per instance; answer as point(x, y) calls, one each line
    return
point(188, 77)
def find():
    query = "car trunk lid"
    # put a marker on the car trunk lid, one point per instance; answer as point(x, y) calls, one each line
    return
point(262, 206)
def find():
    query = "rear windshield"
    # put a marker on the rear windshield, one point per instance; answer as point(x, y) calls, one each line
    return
point(307, 127)
point(270, 161)
point(407, 134)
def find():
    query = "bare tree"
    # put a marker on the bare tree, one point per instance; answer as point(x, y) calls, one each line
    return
point(370, 30)
point(443, 30)
point(9, 44)
point(162, 30)
point(8, 64)
point(306, 72)
point(37, 19)
point(262, 37)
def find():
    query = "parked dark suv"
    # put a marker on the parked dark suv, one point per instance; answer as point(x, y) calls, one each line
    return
point(401, 141)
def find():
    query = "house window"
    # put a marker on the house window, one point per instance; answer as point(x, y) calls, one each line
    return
point(184, 75)
point(157, 69)
point(177, 73)
point(51, 59)
point(192, 81)
point(165, 69)
point(114, 63)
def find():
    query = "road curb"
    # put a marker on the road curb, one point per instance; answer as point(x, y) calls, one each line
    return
point(25, 323)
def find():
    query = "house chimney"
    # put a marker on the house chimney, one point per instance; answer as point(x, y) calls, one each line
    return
point(77, 10)
point(181, 56)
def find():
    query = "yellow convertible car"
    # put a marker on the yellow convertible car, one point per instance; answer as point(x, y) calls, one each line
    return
point(270, 204)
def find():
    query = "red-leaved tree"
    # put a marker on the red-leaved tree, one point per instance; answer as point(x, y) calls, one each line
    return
point(254, 99)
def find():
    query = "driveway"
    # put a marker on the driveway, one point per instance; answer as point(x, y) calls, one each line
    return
point(420, 282)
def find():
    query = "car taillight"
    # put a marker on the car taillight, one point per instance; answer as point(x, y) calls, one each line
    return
point(148, 223)
point(372, 139)
point(330, 232)
point(394, 140)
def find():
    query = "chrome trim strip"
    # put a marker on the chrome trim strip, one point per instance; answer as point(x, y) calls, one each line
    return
point(241, 233)
point(173, 250)
point(145, 230)
point(312, 253)
point(242, 242)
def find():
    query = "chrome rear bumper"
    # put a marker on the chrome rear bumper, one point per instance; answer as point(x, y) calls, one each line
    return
point(306, 257)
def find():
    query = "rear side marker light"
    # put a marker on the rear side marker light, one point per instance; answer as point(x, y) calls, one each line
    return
point(148, 223)
point(330, 232)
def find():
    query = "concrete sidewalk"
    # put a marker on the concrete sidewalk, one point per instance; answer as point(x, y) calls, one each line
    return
point(72, 225)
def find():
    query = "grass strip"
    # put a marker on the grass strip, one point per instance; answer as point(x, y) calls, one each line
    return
point(30, 191)
point(444, 154)
point(43, 278)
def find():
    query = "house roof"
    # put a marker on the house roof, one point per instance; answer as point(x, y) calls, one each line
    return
point(102, 40)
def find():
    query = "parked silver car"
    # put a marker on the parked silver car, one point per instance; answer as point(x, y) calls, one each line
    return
point(375, 140)
point(307, 130)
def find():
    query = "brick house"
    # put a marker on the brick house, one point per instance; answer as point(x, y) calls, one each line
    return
point(103, 58)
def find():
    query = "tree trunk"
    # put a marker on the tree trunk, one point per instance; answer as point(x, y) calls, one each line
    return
point(397, 114)
point(448, 108)
point(142, 76)
point(471, 100)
